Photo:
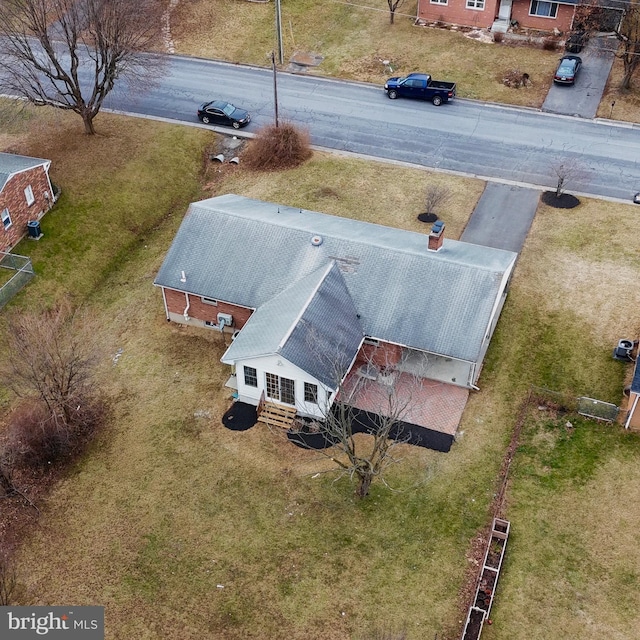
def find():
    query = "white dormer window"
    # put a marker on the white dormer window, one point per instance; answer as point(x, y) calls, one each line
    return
point(28, 194)
point(6, 219)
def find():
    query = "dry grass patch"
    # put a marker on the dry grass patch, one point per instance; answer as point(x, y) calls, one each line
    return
point(587, 262)
point(627, 104)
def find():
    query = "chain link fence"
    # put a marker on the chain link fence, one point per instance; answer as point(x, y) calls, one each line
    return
point(22, 274)
point(565, 403)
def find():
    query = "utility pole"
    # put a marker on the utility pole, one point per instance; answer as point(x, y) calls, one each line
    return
point(279, 32)
point(275, 85)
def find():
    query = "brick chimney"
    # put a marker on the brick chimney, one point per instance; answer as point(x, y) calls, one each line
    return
point(436, 237)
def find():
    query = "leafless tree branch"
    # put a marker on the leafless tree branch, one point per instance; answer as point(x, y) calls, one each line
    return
point(69, 54)
point(368, 459)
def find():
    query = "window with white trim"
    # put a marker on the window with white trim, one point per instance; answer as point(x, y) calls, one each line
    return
point(250, 376)
point(28, 194)
point(311, 392)
point(475, 4)
point(439, 1)
point(543, 9)
point(6, 219)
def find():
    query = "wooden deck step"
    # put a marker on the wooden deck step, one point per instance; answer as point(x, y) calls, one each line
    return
point(277, 415)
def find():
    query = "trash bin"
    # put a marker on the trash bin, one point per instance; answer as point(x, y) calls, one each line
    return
point(34, 229)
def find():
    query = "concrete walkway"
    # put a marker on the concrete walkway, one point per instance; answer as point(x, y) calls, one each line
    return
point(582, 99)
point(502, 217)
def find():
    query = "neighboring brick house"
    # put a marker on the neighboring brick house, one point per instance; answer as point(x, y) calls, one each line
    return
point(25, 194)
point(308, 299)
point(500, 15)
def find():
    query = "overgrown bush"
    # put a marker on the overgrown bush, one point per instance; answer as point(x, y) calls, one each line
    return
point(35, 439)
point(274, 148)
point(50, 363)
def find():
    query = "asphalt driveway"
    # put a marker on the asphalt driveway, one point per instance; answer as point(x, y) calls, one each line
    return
point(582, 99)
point(502, 217)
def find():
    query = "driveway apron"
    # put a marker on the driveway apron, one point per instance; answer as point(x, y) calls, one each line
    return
point(582, 99)
point(502, 217)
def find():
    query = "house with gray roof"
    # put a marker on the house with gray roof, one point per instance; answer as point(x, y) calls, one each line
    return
point(26, 194)
point(308, 299)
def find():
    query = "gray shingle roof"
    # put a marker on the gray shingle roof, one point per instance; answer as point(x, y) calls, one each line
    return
point(11, 163)
point(247, 251)
point(313, 324)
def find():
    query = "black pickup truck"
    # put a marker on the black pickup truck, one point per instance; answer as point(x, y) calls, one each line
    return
point(420, 85)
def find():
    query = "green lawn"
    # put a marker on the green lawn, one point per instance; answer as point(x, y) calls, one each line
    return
point(183, 529)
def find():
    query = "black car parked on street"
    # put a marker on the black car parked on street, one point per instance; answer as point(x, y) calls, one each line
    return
point(220, 112)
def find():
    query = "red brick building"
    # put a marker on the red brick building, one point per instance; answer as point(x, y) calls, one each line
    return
point(25, 194)
point(500, 15)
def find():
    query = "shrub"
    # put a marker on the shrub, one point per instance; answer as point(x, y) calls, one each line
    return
point(436, 196)
point(550, 44)
point(498, 36)
point(35, 439)
point(274, 148)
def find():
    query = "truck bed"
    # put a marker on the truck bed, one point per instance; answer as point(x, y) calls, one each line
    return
point(439, 84)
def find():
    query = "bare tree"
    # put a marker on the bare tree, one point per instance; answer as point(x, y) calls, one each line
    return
point(629, 35)
point(49, 356)
point(566, 171)
point(69, 53)
point(436, 196)
point(394, 5)
point(390, 394)
point(368, 462)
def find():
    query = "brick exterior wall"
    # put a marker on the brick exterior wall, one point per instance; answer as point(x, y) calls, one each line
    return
point(12, 197)
point(203, 312)
point(456, 12)
point(562, 22)
point(383, 355)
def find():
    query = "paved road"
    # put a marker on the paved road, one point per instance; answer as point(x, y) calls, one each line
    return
point(486, 140)
point(583, 98)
